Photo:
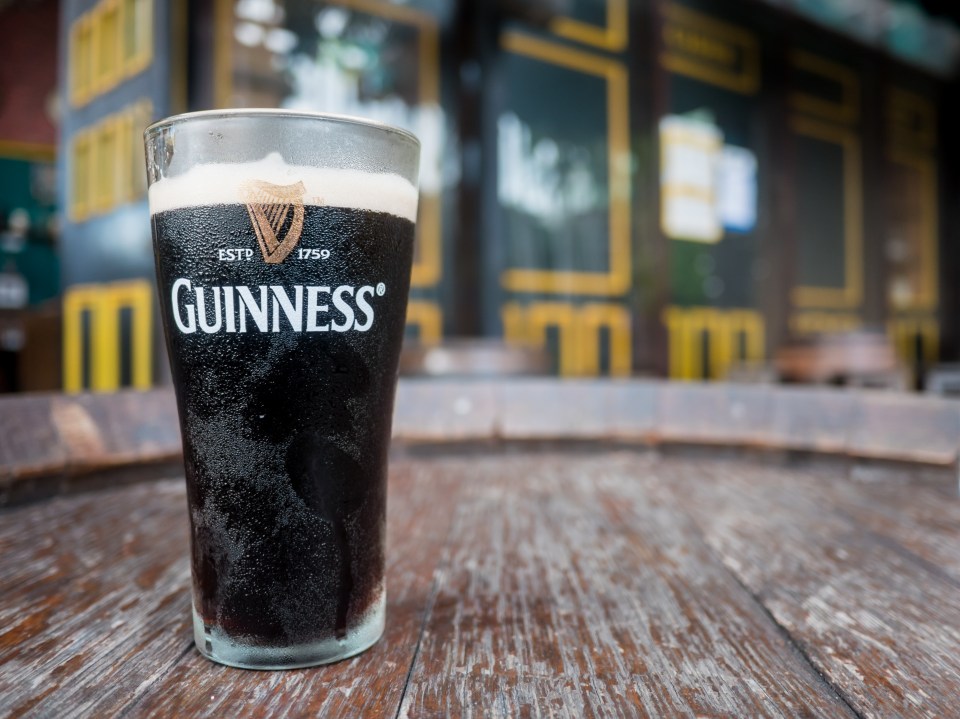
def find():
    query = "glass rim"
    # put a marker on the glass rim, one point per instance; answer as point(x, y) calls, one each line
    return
point(279, 112)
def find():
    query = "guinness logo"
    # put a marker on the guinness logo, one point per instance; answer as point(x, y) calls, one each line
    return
point(276, 212)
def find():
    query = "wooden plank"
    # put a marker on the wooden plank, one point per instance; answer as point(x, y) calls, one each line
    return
point(566, 590)
point(549, 410)
point(51, 443)
point(715, 414)
point(548, 584)
point(632, 408)
point(906, 427)
point(878, 621)
point(919, 516)
point(29, 443)
point(431, 411)
point(93, 599)
point(812, 419)
point(124, 427)
point(422, 496)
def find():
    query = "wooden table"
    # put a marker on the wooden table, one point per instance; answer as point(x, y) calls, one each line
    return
point(554, 550)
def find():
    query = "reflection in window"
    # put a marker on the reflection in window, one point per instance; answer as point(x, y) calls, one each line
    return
point(330, 58)
point(553, 183)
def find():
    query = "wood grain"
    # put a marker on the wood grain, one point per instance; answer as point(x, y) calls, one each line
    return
point(94, 599)
point(53, 444)
point(854, 573)
point(554, 584)
point(566, 592)
point(421, 504)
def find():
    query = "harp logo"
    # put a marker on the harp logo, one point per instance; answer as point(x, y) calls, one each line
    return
point(276, 212)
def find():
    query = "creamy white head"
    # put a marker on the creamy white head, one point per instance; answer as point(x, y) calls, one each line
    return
point(220, 184)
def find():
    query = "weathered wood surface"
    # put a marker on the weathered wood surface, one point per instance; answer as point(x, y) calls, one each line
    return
point(559, 584)
point(564, 591)
point(864, 578)
point(50, 444)
point(55, 443)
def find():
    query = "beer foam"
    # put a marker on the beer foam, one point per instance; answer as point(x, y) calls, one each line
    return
point(221, 184)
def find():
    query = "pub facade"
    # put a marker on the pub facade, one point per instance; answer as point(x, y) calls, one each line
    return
point(660, 187)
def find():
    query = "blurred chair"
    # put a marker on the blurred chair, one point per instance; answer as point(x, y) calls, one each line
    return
point(473, 358)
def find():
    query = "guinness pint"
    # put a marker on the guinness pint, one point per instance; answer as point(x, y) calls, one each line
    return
point(283, 246)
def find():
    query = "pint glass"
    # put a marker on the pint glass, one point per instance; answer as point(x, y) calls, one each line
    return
point(283, 244)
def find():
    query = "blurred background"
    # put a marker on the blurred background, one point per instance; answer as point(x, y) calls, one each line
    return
point(694, 189)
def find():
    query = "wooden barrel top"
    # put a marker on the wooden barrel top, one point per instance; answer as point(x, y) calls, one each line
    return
point(555, 549)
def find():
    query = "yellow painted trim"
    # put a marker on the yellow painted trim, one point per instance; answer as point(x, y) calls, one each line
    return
point(905, 107)
point(81, 59)
point(751, 324)
point(678, 20)
point(428, 319)
point(903, 330)
point(106, 161)
point(138, 296)
point(80, 186)
point(617, 280)
point(811, 323)
point(579, 328)
point(105, 151)
point(847, 111)
point(107, 62)
point(612, 36)
point(75, 301)
point(912, 141)
point(673, 320)
point(541, 316)
point(428, 260)
point(104, 303)
point(724, 327)
point(696, 193)
point(143, 42)
point(123, 178)
point(28, 151)
point(97, 53)
point(926, 168)
point(616, 318)
point(514, 323)
point(851, 294)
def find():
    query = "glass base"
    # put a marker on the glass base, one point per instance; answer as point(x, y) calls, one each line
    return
point(217, 647)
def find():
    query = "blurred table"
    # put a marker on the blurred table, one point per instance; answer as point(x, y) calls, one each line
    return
point(858, 359)
point(654, 549)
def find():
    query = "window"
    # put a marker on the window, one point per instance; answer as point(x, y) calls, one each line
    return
point(137, 35)
point(80, 176)
point(108, 167)
point(81, 50)
point(108, 44)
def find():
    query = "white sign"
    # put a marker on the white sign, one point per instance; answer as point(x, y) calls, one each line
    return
point(690, 154)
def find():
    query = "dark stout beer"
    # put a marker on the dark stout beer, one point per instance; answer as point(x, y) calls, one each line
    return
point(284, 321)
